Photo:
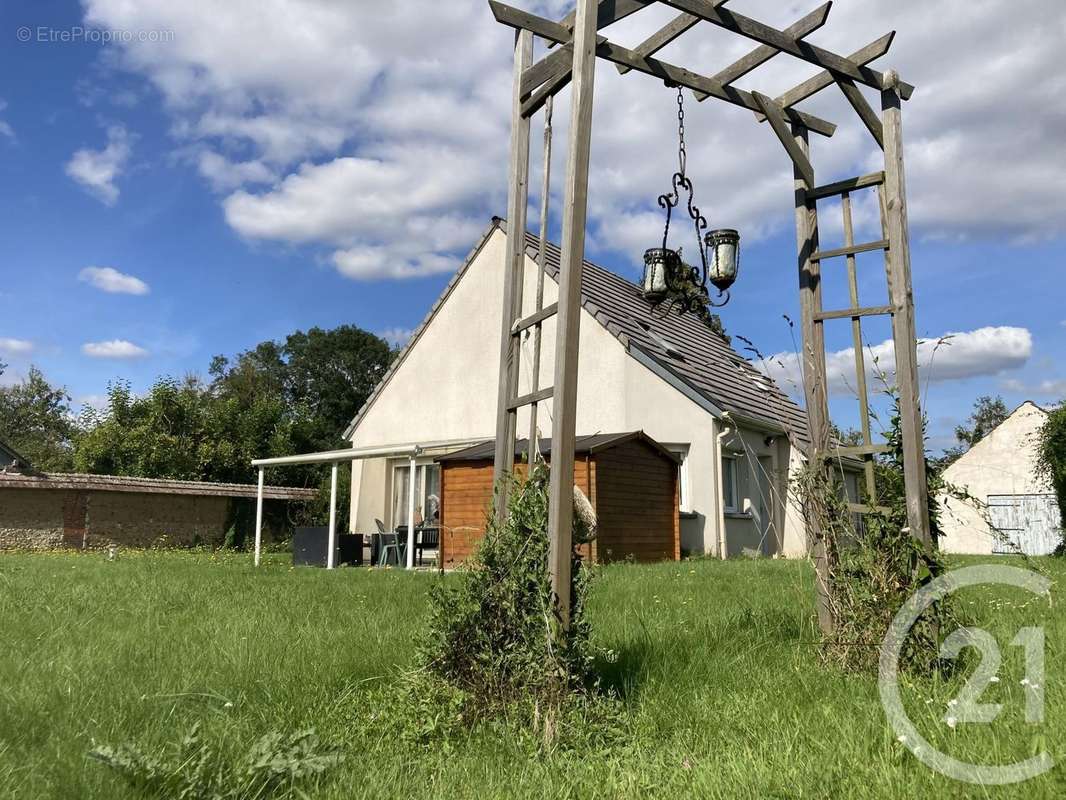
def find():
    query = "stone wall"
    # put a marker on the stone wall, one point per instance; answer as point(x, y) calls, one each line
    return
point(31, 519)
point(49, 518)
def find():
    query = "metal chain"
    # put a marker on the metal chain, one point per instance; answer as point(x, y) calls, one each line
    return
point(682, 156)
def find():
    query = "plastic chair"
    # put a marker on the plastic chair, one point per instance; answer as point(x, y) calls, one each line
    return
point(390, 546)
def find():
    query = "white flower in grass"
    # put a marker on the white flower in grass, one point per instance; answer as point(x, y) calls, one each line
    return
point(1025, 681)
point(227, 704)
point(952, 703)
point(952, 722)
point(902, 739)
point(994, 679)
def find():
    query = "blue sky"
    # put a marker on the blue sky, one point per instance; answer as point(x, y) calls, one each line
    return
point(253, 186)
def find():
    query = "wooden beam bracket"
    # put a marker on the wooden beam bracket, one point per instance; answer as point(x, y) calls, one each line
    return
point(776, 115)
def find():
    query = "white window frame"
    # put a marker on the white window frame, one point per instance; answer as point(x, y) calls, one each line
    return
point(420, 498)
point(684, 498)
point(730, 489)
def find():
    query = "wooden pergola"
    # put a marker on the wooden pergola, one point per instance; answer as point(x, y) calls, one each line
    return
point(577, 44)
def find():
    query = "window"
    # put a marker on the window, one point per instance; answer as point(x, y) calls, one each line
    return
point(729, 483)
point(427, 494)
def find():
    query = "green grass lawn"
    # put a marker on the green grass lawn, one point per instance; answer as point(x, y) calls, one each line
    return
point(723, 690)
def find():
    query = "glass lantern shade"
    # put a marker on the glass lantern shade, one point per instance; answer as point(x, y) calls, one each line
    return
point(723, 260)
point(660, 265)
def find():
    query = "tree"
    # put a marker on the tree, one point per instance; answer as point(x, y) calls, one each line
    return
point(988, 413)
point(180, 430)
point(35, 419)
point(323, 377)
point(1051, 459)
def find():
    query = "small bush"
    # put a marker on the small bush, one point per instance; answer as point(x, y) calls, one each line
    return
point(875, 566)
point(495, 652)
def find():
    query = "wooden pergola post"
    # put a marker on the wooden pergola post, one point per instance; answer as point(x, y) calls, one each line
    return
point(514, 268)
point(568, 327)
point(813, 361)
point(901, 296)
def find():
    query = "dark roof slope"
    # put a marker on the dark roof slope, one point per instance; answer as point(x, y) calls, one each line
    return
point(678, 344)
point(14, 457)
point(682, 346)
point(583, 444)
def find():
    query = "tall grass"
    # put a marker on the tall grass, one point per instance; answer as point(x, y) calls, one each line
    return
point(716, 662)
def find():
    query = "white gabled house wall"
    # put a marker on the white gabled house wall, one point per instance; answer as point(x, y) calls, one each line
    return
point(442, 394)
point(1002, 463)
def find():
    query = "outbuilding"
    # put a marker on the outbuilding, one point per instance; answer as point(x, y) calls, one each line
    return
point(1011, 506)
point(630, 480)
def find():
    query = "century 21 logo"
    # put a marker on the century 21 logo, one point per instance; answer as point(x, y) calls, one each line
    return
point(966, 706)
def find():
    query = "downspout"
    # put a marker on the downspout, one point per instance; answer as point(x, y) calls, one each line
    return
point(721, 486)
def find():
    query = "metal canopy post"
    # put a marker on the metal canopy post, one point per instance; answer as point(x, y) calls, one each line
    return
point(411, 514)
point(331, 553)
point(259, 517)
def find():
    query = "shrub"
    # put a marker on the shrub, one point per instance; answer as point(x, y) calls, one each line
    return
point(493, 635)
point(274, 766)
point(876, 565)
point(1051, 462)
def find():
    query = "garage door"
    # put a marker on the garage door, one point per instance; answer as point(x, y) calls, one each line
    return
point(1028, 523)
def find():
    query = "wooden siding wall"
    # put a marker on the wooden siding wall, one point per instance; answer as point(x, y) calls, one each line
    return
point(638, 514)
point(645, 528)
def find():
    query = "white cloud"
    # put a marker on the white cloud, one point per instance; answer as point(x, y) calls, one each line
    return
point(114, 348)
point(15, 347)
point(397, 337)
point(389, 123)
point(5, 127)
point(226, 175)
point(99, 402)
point(953, 356)
point(109, 279)
point(97, 170)
point(1049, 387)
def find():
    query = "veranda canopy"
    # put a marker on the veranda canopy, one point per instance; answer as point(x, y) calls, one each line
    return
point(333, 458)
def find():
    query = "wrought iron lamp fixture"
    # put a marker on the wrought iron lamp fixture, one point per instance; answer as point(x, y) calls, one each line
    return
point(665, 274)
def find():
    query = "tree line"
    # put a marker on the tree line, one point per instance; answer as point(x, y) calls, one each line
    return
point(279, 398)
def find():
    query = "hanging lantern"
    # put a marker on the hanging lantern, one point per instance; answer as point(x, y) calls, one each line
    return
point(723, 259)
point(660, 264)
point(665, 274)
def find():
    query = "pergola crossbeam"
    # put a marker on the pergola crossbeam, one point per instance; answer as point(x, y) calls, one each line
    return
point(760, 32)
point(863, 56)
point(764, 52)
point(553, 31)
point(554, 69)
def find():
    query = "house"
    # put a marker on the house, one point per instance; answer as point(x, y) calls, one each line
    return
point(49, 510)
point(642, 368)
point(1013, 507)
point(10, 459)
point(629, 479)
